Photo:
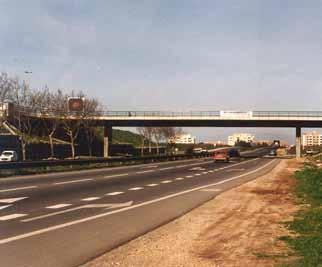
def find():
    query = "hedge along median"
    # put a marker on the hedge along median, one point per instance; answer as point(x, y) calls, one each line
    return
point(307, 224)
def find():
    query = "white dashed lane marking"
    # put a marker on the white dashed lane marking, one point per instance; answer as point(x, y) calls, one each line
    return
point(114, 193)
point(12, 216)
point(4, 207)
point(58, 206)
point(179, 178)
point(152, 185)
point(12, 200)
point(166, 182)
point(18, 188)
point(135, 188)
point(74, 181)
point(91, 198)
point(198, 174)
point(189, 176)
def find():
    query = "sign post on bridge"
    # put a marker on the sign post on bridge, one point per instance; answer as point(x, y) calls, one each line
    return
point(76, 104)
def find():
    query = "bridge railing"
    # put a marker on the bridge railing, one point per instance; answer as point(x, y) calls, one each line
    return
point(287, 114)
point(39, 112)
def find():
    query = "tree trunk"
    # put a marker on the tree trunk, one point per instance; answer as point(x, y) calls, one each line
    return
point(72, 147)
point(150, 148)
point(142, 147)
point(23, 149)
point(89, 142)
point(158, 150)
point(51, 145)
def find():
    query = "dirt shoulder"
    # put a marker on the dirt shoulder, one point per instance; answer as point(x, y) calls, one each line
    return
point(240, 227)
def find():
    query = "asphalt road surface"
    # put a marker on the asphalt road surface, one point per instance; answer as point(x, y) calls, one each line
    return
point(67, 219)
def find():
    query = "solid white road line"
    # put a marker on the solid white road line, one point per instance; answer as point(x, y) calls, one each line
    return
point(135, 188)
point(235, 170)
point(12, 216)
point(58, 206)
point(12, 200)
point(211, 190)
point(74, 181)
point(166, 182)
point(116, 175)
point(148, 167)
point(91, 198)
point(145, 171)
point(60, 226)
point(152, 185)
point(4, 207)
point(114, 193)
point(18, 188)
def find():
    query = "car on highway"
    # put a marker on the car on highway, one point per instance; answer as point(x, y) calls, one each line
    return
point(310, 152)
point(9, 155)
point(221, 155)
point(273, 153)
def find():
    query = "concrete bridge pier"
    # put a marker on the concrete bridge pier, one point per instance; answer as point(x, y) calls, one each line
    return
point(298, 142)
point(108, 135)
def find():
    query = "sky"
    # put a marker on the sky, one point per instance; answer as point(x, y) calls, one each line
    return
point(170, 54)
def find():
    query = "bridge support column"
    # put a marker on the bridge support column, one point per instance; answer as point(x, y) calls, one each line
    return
point(298, 142)
point(108, 131)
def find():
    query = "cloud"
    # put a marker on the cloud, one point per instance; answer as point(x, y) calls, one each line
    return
point(169, 55)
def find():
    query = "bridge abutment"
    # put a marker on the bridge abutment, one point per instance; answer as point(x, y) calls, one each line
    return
point(298, 142)
point(108, 135)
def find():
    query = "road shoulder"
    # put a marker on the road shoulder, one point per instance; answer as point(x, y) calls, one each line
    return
point(239, 227)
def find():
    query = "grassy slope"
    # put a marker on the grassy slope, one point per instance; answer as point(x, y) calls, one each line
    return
point(126, 137)
point(307, 225)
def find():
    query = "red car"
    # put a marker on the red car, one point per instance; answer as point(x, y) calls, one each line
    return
point(221, 155)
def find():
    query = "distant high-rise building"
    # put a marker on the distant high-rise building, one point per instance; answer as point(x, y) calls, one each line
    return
point(237, 137)
point(312, 139)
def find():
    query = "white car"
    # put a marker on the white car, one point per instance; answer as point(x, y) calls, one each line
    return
point(9, 155)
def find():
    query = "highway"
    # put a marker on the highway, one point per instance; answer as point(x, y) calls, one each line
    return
point(66, 219)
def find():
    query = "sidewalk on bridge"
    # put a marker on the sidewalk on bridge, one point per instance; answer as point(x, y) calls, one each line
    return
point(240, 227)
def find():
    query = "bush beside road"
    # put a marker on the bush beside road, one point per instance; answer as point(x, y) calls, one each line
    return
point(307, 225)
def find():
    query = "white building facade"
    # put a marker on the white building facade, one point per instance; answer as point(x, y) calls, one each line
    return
point(312, 139)
point(237, 137)
point(183, 139)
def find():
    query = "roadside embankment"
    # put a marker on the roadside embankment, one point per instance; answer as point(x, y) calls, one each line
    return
point(306, 227)
point(240, 227)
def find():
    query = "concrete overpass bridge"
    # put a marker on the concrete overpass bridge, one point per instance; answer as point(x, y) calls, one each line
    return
point(110, 119)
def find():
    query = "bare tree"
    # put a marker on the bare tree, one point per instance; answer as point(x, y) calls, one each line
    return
point(22, 97)
point(5, 93)
point(142, 133)
point(158, 136)
point(50, 104)
point(169, 133)
point(92, 108)
point(5, 88)
point(71, 122)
